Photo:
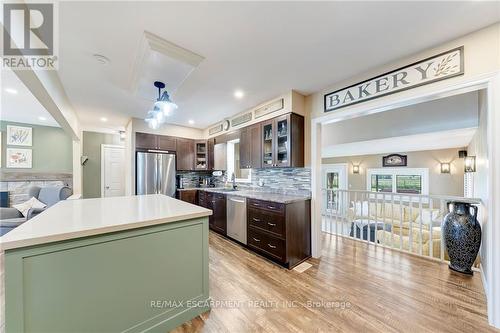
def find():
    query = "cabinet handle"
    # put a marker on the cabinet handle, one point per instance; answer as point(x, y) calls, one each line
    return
point(256, 220)
point(271, 224)
point(271, 246)
point(255, 239)
point(271, 207)
point(256, 204)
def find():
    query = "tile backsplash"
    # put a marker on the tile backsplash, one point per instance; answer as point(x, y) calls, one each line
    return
point(277, 180)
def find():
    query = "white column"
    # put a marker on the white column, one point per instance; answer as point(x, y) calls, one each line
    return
point(77, 168)
point(316, 189)
point(493, 236)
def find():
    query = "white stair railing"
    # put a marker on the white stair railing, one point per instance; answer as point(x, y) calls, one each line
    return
point(401, 221)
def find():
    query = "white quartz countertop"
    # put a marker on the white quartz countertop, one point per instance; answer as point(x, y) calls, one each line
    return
point(71, 219)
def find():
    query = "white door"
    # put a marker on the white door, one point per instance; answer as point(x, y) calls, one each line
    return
point(334, 177)
point(112, 171)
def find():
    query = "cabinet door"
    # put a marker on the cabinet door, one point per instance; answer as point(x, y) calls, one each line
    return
point(210, 154)
point(185, 154)
point(200, 150)
point(282, 141)
point(255, 146)
point(146, 141)
point(166, 142)
point(245, 148)
point(268, 135)
point(219, 213)
point(188, 196)
point(210, 204)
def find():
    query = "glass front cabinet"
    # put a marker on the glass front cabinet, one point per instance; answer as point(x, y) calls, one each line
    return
point(283, 141)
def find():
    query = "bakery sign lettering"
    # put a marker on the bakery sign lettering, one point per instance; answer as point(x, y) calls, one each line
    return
point(440, 67)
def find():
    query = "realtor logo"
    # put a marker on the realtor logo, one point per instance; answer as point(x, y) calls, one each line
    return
point(28, 36)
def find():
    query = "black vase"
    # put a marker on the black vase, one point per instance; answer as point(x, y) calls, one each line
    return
point(462, 236)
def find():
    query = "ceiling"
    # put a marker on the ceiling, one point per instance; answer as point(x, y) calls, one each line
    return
point(19, 105)
point(457, 138)
point(264, 49)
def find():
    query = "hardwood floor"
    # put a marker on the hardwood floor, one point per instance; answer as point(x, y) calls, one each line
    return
point(355, 287)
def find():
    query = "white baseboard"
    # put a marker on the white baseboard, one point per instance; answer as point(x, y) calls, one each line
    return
point(483, 279)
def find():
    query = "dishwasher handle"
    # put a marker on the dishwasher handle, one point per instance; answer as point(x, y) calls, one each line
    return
point(240, 201)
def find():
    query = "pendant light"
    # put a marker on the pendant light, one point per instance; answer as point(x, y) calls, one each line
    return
point(162, 108)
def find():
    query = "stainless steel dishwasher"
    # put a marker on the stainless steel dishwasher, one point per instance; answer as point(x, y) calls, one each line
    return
point(237, 218)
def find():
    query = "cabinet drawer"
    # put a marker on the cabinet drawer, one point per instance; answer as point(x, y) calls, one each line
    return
point(266, 243)
point(271, 222)
point(267, 205)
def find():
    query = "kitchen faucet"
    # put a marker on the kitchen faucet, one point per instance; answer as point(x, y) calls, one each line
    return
point(233, 179)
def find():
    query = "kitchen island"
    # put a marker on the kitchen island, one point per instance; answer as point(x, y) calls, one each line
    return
point(133, 264)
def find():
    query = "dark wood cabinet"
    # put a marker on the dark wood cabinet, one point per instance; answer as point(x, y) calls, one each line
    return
point(250, 147)
point(201, 155)
point(152, 141)
point(283, 141)
point(188, 195)
point(185, 154)
point(166, 142)
point(146, 141)
point(281, 232)
point(217, 203)
point(210, 154)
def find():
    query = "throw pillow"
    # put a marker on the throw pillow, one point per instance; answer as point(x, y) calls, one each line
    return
point(27, 205)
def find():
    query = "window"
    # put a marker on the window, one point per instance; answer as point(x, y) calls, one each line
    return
point(233, 163)
point(409, 184)
point(398, 180)
point(381, 183)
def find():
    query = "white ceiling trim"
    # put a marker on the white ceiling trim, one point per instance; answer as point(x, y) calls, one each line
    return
point(151, 42)
point(419, 142)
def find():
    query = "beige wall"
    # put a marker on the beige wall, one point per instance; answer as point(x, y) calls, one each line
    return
point(479, 148)
point(439, 184)
point(481, 55)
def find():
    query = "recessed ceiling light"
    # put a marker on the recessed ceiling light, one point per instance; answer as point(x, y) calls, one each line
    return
point(103, 60)
point(104, 119)
point(42, 118)
point(191, 121)
point(11, 91)
point(239, 94)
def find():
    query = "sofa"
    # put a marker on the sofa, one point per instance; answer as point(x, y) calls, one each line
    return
point(11, 218)
point(398, 226)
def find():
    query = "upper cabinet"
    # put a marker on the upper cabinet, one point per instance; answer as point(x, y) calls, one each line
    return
point(283, 141)
point(201, 155)
point(166, 142)
point(251, 147)
point(185, 154)
point(210, 154)
point(146, 141)
point(152, 141)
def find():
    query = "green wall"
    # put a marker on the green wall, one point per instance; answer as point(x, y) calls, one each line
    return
point(91, 173)
point(52, 149)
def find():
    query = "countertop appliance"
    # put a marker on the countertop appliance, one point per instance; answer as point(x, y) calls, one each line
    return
point(237, 218)
point(155, 173)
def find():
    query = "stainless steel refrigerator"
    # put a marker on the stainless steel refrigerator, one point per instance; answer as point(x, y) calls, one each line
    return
point(155, 173)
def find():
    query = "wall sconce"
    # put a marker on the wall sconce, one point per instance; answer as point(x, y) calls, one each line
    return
point(122, 135)
point(445, 168)
point(470, 164)
point(355, 169)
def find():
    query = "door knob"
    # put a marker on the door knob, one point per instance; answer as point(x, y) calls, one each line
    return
point(107, 187)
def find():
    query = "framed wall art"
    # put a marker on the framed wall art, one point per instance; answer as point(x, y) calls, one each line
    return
point(19, 158)
point(394, 160)
point(19, 136)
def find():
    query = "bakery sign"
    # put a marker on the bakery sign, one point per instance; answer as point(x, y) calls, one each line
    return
point(439, 67)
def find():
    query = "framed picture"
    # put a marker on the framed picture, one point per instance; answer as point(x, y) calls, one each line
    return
point(19, 158)
point(394, 160)
point(19, 135)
